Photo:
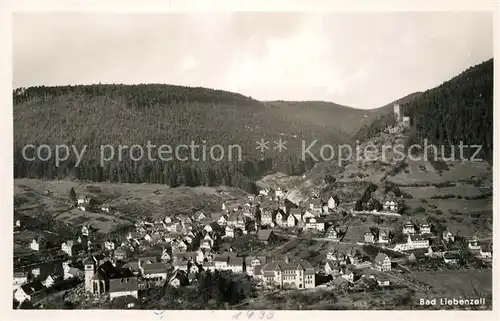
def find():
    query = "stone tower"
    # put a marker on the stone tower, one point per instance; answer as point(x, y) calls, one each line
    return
point(89, 274)
point(397, 113)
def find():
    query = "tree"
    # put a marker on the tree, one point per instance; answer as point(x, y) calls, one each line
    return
point(72, 194)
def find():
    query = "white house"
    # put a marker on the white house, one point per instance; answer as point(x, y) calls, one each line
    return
point(473, 243)
point(279, 219)
point(67, 246)
point(332, 204)
point(85, 230)
point(49, 281)
point(279, 194)
point(382, 262)
point(34, 245)
point(408, 228)
point(291, 221)
point(264, 192)
point(20, 278)
point(229, 231)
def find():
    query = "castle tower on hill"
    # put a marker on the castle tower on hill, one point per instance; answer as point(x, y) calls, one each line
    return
point(397, 113)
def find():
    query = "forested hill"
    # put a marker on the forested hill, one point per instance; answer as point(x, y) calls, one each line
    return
point(115, 115)
point(460, 109)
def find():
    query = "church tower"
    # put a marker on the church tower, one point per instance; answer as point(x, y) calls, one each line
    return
point(89, 274)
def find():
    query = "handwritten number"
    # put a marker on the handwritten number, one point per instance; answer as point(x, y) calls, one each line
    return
point(270, 315)
point(237, 315)
point(249, 314)
point(262, 314)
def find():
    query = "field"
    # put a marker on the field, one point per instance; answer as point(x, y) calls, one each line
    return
point(422, 171)
point(464, 190)
point(129, 200)
point(457, 283)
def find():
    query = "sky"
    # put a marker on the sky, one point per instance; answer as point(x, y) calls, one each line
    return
point(362, 60)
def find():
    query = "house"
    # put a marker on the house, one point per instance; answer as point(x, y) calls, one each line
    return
point(266, 236)
point(179, 246)
point(264, 192)
point(20, 278)
point(472, 243)
point(178, 279)
point(332, 233)
point(332, 268)
point(198, 216)
point(83, 200)
point(85, 230)
point(286, 273)
point(383, 282)
point(416, 256)
point(409, 228)
point(448, 236)
point(105, 208)
point(109, 245)
point(390, 203)
point(235, 264)
point(383, 237)
point(307, 214)
point(123, 287)
point(291, 221)
point(229, 231)
point(382, 262)
point(49, 281)
point(451, 258)
point(222, 219)
point(266, 217)
point(66, 247)
point(369, 237)
point(320, 224)
point(279, 193)
point(425, 228)
point(208, 228)
point(347, 274)
point(229, 261)
point(310, 223)
point(205, 245)
point(146, 260)
point(354, 256)
point(340, 283)
point(155, 271)
point(333, 202)
point(417, 242)
point(236, 219)
point(252, 261)
point(316, 206)
point(279, 218)
point(121, 253)
point(433, 251)
point(28, 291)
point(34, 245)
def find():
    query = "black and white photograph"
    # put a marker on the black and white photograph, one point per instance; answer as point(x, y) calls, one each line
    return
point(252, 161)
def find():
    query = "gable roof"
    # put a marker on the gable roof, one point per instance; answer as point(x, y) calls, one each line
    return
point(380, 258)
point(152, 268)
point(261, 258)
point(33, 287)
point(145, 259)
point(264, 235)
point(123, 284)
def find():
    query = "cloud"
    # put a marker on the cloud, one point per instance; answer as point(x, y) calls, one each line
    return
point(364, 60)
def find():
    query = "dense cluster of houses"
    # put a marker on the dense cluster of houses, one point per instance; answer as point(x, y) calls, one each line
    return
point(176, 249)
